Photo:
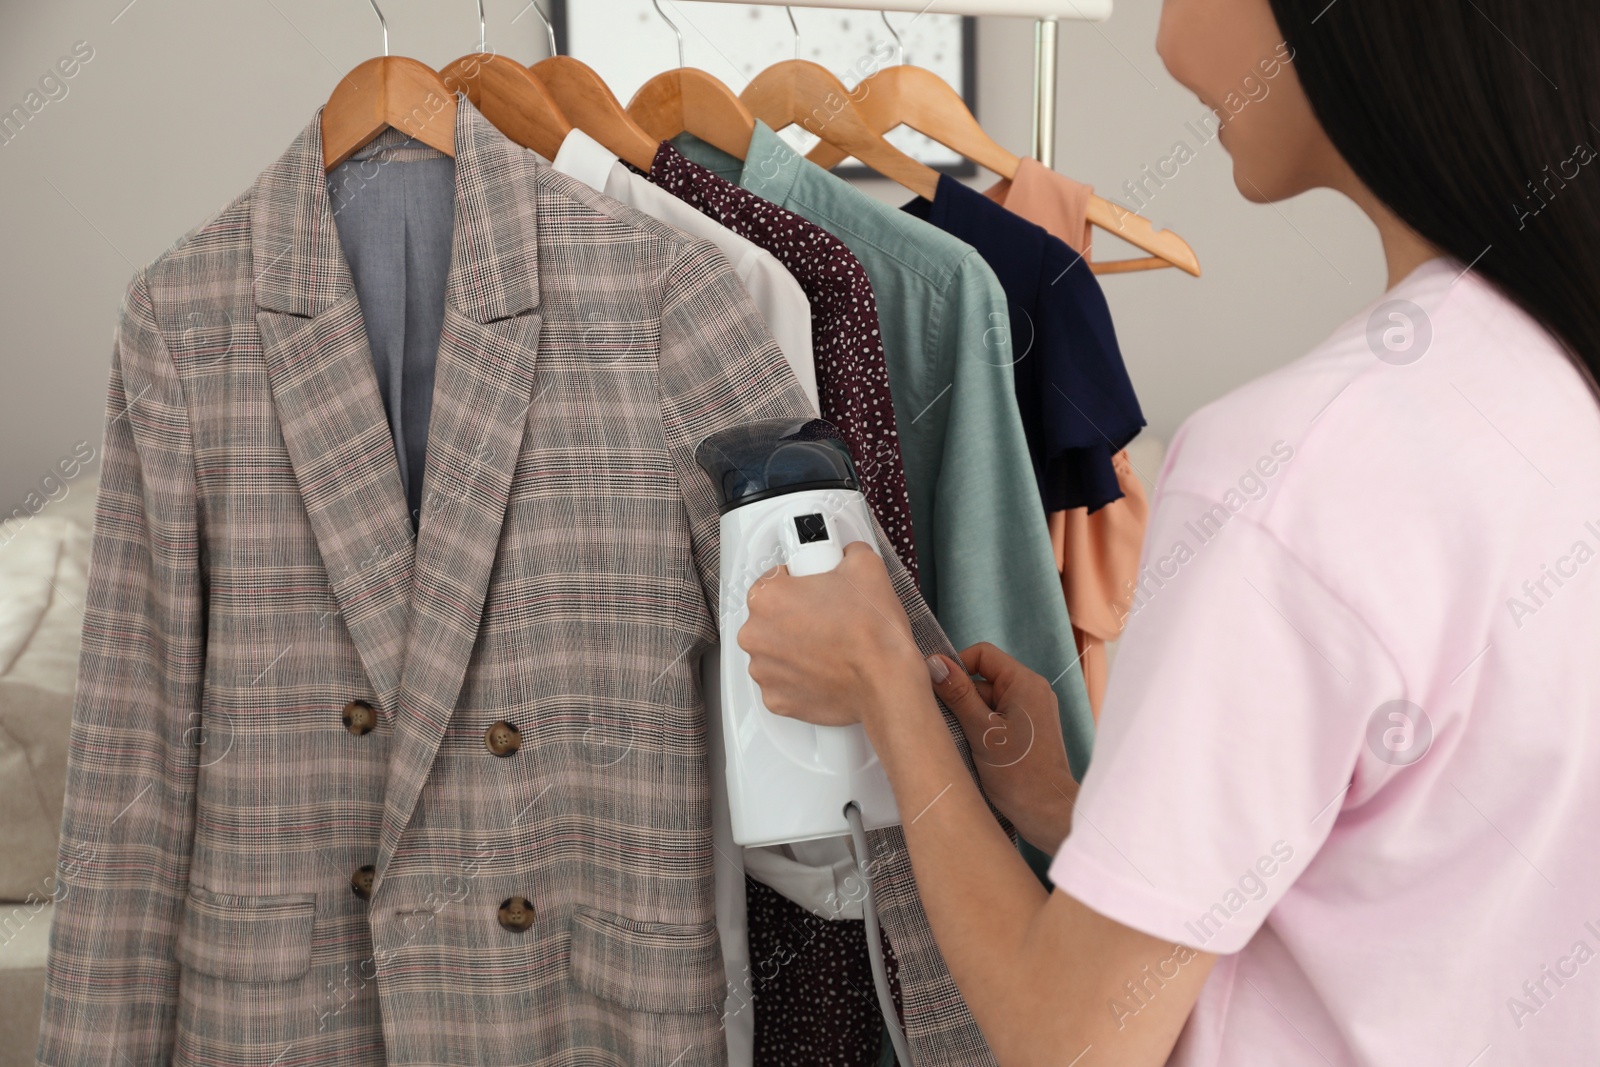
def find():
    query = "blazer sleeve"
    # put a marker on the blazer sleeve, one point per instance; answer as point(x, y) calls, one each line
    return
point(719, 367)
point(111, 982)
point(787, 312)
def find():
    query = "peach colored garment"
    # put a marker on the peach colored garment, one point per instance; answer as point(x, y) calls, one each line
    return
point(1098, 554)
point(1048, 199)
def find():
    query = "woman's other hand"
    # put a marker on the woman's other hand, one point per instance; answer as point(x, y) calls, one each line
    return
point(833, 648)
point(1013, 725)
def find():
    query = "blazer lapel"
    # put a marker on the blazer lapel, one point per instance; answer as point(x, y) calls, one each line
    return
point(412, 607)
point(483, 385)
point(326, 393)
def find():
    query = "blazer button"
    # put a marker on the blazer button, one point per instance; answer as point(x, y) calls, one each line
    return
point(516, 914)
point(360, 717)
point(361, 881)
point(502, 738)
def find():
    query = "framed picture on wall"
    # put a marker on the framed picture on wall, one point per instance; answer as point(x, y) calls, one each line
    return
point(627, 42)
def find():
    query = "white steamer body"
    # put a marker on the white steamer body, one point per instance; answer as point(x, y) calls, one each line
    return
point(789, 780)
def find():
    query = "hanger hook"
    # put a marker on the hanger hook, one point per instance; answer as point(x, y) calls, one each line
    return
point(675, 31)
point(795, 27)
point(899, 45)
point(549, 29)
point(381, 22)
point(483, 32)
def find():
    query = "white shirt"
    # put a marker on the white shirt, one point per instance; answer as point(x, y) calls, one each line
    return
point(777, 295)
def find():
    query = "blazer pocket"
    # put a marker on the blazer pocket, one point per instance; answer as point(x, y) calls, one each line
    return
point(652, 967)
point(247, 939)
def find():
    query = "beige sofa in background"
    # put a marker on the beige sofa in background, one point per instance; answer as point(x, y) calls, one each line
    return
point(44, 563)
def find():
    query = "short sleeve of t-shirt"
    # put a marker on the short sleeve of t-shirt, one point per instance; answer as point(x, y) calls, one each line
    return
point(1232, 724)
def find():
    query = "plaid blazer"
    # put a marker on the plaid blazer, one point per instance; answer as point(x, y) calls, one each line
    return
point(341, 796)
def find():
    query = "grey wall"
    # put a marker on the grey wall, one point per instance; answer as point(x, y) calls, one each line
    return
point(184, 102)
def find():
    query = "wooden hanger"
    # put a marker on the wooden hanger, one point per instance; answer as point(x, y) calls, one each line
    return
point(918, 98)
point(509, 96)
point(798, 91)
point(387, 91)
point(687, 100)
point(595, 109)
point(588, 101)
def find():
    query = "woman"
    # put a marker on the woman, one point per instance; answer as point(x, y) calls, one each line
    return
point(1343, 805)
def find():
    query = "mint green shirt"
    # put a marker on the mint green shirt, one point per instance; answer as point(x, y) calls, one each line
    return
point(984, 558)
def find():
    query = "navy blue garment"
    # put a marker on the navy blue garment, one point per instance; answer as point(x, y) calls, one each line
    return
point(1078, 406)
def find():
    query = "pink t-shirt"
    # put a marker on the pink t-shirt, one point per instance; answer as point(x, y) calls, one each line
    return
point(1352, 739)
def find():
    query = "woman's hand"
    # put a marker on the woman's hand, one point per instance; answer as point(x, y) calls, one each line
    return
point(834, 648)
point(1013, 725)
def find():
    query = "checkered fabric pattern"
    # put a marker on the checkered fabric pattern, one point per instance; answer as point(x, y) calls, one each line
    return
point(251, 875)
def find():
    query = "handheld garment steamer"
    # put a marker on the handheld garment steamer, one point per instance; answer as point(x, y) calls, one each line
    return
point(788, 494)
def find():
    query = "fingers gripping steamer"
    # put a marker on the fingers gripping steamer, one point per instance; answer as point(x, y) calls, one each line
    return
point(788, 494)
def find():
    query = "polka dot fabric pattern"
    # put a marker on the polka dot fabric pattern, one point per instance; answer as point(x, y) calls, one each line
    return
point(815, 1002)
point(852, 376)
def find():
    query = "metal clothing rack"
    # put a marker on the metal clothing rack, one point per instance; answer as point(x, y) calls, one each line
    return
point(1048, 14)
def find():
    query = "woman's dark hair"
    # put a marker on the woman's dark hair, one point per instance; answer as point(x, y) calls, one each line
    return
point(1478, 123)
